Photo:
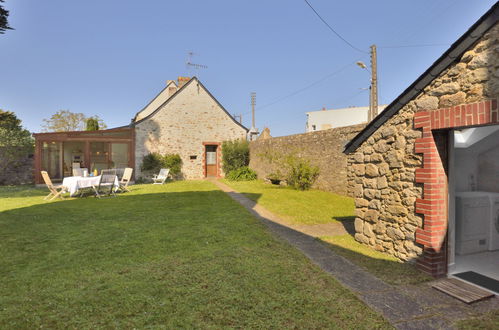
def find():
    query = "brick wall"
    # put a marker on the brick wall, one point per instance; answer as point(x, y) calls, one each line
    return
point(399, 175)
point(323, 148)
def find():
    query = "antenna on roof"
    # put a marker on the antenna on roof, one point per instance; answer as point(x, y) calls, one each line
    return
point(189, 65)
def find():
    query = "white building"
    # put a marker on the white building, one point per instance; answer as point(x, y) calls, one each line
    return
point(324, 119)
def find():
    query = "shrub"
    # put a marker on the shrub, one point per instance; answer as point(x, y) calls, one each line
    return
point(151, 162)
point(301, 174)
point(235, 154)
point(155, 161)
point(242, 174)
point(173, 162)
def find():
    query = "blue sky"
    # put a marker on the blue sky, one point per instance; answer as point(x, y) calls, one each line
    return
point(110, 58)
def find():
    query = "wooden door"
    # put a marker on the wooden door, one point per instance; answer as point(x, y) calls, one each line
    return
point(211, 161)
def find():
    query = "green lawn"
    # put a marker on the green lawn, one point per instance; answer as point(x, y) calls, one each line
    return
point(315, 207)
point(181, 255)
point(381, 265)
point(303, 207)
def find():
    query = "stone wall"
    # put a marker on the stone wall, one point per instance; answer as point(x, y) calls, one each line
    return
point(18, 170)
point(323, 148)
point(182, 125)
point(382, 171)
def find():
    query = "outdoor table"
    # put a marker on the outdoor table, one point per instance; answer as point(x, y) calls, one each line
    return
point(75, 183)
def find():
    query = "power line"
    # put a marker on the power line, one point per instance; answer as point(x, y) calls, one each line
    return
point(414, 46)
point(330, 28)
point(306, 87)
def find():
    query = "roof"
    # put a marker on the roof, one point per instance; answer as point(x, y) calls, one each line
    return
point(180, 91)
point(164, 90)
point(456, 50)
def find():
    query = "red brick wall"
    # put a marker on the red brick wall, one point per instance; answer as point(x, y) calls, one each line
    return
point(433, 145)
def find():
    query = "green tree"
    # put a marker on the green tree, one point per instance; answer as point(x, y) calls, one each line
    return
point(92, 124)
point(15, 141)
point(65, 120)
point(4, 23)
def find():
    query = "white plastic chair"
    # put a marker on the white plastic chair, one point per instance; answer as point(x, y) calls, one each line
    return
point(161, 177)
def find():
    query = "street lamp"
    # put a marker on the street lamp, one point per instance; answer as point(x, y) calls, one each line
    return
point(373, 94)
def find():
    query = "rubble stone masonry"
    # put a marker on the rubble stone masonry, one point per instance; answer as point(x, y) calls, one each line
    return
point(322, 148)
point(382, 173)
point(183, 126)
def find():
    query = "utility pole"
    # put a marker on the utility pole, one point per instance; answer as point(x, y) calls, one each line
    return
point(253, 131)
point(373, 100)
point(253, 103)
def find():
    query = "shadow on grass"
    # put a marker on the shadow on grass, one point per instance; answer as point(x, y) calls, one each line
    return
point(347, 223)
point(381, 265)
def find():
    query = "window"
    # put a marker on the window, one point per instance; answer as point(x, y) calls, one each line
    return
point(193, 157)
point(313, 127)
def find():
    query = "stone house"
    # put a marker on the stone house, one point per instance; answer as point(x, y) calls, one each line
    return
point(184, 118)
point(424, 173)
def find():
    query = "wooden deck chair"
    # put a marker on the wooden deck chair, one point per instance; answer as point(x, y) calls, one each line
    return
point(55, 191)
point(106, 184)
point(125, 179)
point(161, 177)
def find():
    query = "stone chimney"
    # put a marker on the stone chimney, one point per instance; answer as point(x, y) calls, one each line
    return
point(172, 89)
point(182, 81)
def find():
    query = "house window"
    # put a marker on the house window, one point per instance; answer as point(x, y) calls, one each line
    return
point(313, 127)
point(193, 157)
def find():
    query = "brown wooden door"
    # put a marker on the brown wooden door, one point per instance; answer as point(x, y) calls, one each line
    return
point(211, 161)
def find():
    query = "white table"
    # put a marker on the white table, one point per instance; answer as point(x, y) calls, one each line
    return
point(75, 183)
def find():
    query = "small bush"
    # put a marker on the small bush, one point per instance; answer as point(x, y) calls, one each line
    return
point(242, 174)
point(235, 154)
point(151, 162)
point(301, 174)
point(173, 162)
point(155, 161)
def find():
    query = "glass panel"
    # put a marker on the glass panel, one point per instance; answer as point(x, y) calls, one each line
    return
point(119, 155)
point(99, 156)
point(74, 156)
point(51, 159)
point(211, 155)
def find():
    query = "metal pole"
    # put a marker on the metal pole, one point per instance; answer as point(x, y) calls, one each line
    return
point(374, 83)
point(253, 101)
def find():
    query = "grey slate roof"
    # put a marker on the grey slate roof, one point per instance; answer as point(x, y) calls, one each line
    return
point(456, 50)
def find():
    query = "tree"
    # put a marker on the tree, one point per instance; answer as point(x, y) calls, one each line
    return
point(15, 141)
point(65, 120)
point(92, 124)
point(4, 23)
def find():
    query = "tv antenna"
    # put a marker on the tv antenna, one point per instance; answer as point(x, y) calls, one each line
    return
point(189, 63)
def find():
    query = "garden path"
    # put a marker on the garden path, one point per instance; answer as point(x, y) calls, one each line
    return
point(405, 307)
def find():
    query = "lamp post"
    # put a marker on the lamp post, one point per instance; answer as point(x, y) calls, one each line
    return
point(373, 89)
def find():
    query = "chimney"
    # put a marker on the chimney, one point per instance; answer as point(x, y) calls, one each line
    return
point(182, 81)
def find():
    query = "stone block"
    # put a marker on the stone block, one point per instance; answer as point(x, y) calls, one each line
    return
point(397, 210)
point(368, 230)
point(453, 99)
point(374, 204)
point(361, 238)
point(427, 103)
point(369, 193)
point(395, 233)
point(371, 170)
point(371, 215)
point(445, 89)
point(360, 202)
point(359, 225)
point(381, 182)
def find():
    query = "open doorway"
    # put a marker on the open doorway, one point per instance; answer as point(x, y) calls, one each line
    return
point(474, 204)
